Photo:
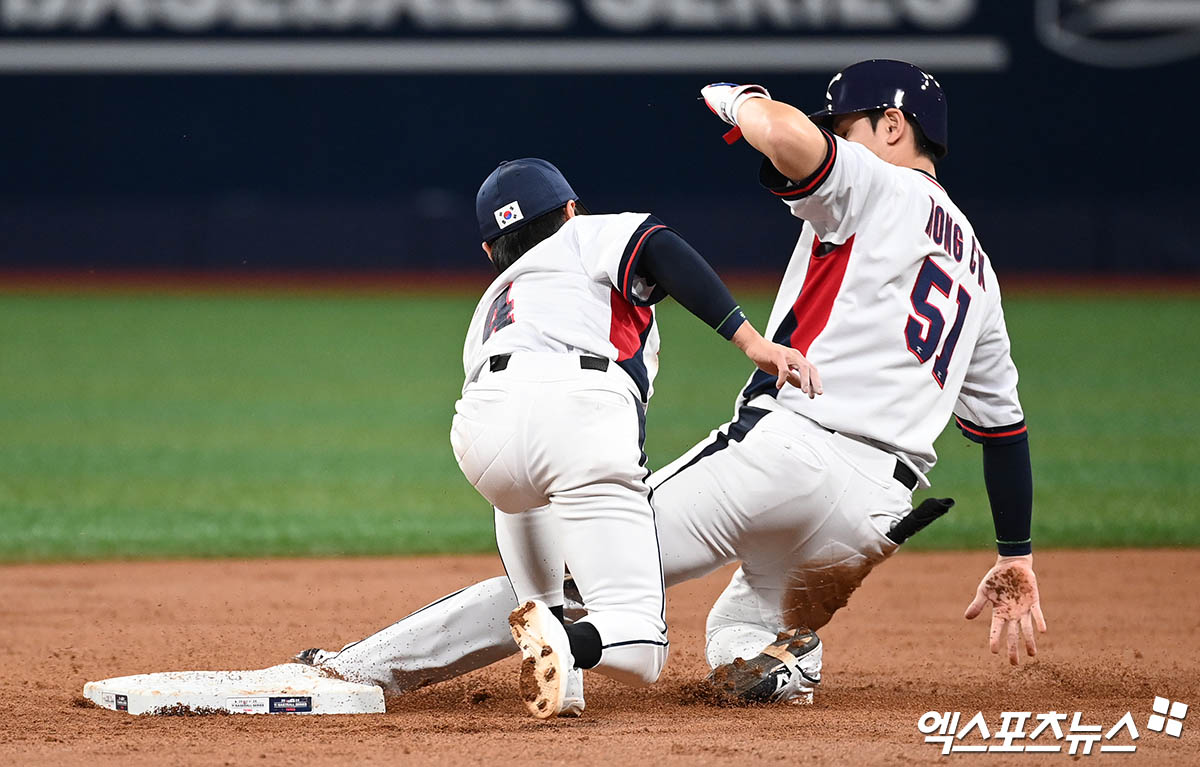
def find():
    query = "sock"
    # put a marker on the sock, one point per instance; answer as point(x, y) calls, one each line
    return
point(585, 644)
point(559, 613)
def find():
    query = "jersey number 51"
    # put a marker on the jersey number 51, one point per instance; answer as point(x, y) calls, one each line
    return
point(923, 338)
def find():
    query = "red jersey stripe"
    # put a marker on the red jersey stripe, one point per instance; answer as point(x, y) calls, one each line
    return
point(821, 285)
point(629, 322)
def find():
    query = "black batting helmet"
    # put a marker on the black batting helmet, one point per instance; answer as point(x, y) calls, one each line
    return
point(883, 84)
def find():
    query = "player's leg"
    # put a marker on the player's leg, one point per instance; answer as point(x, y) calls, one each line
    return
point(760, 635)
point(609, 539)
point(696, 527)
point(843, 505)
point(743, 620)
point(612, 550)
point(754, 489)
point(752, 655)
point(451, 636)
point(694, 501)
point(504, 434)
point(531, 552)
point(467, 630)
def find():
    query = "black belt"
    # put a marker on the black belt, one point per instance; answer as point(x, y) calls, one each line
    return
point(500, 362)
point(905, 476)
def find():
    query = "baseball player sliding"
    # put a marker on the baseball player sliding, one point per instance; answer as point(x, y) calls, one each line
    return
point(560, 360)
point(890, 293)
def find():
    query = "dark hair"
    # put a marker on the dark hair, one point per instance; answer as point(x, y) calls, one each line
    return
point(924, 145)
point(507, 248)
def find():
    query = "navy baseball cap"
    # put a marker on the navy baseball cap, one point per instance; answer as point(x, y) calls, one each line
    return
point(516, 193)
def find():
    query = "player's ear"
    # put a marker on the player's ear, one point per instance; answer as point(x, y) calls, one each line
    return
point(487, 249)
point(895, 125)
point(570, 210)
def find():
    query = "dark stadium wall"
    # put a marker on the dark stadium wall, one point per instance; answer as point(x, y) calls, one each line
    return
point(1064, 162)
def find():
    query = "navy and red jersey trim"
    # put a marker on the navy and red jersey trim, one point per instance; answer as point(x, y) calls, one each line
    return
point(784, 187)
point(630, 328)
point(628, 266)
point(993, 435)
point(929, 176)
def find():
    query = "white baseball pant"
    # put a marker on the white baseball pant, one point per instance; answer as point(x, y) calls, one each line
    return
point(559, 447)
point(804, 509)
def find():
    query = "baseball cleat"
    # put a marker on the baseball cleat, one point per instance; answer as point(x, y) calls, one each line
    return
point(313, 656)
point(546, 659)
point(786, 671)
point(573, 703)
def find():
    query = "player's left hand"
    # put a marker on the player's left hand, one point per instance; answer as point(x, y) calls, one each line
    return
point(1012, 590)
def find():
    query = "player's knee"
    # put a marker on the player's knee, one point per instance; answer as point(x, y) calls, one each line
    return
point(646, 672)
point(634, 665)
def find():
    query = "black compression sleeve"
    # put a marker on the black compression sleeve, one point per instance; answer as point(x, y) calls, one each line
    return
point(1009, 479)
point(675, 267)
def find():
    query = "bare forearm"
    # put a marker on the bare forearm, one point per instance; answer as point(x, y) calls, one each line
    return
point(745, 337)
point(784, 134)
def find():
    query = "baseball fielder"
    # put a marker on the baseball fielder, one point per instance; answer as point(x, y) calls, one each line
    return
point(891, 294)
point(559, 360)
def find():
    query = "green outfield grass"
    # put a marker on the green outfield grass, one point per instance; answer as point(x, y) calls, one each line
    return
point(247, 425)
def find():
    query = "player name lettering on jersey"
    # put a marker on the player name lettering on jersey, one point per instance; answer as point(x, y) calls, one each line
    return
point(948, 235)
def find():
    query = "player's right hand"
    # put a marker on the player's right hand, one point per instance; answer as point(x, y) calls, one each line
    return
point(785, 363)
point(789, 367)
point(725, 98)
point(1012, 590)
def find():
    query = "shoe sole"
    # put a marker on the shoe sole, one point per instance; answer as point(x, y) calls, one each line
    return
point(542, 681)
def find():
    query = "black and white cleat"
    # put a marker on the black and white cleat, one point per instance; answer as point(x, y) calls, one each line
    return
point(786, 671)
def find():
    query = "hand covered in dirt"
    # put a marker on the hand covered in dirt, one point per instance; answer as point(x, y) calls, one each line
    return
point(1011, 588)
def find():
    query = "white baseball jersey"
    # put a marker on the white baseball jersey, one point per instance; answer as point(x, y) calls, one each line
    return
point(890, 294)
point(577, 291)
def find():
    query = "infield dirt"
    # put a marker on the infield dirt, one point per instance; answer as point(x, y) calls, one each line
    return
point(1124, 627)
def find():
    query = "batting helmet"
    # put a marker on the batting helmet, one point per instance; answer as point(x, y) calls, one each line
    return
point(882, 84)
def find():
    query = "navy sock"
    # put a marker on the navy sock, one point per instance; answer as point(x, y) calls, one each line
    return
point(585, 644)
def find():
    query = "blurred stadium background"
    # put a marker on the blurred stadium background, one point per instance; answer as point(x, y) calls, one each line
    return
point(239, 250)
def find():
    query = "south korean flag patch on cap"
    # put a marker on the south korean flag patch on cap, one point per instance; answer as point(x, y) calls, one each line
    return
point(509, 214)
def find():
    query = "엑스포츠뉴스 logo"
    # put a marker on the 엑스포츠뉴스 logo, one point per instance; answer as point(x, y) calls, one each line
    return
point(509, 214)
point(1054, 732)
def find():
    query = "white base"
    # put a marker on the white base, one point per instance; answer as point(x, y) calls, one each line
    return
point(290, 688)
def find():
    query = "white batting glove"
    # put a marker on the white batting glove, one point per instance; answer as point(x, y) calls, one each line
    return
point(724, 99)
